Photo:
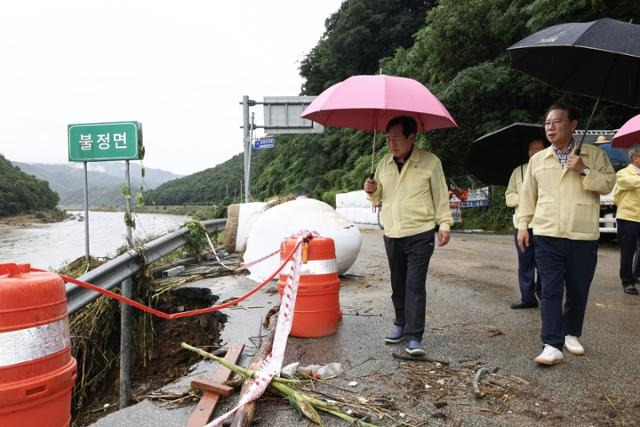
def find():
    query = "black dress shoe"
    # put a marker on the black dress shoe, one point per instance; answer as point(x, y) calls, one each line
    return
point(630, 289)
point(519, 305)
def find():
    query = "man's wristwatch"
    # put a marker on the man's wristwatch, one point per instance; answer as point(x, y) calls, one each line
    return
point(585, 171)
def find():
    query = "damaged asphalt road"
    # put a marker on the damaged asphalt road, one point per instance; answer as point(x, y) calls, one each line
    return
point(470, 285)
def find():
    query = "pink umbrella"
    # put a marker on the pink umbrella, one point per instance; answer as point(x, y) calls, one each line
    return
point(628, 134)
point(369, 102)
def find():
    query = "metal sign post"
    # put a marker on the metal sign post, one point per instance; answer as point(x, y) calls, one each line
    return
point(247, 144)
point(125, 315)
point(86, 214)
point(99, 142)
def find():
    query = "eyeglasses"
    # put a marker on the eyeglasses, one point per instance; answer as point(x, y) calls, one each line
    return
point(554, 122)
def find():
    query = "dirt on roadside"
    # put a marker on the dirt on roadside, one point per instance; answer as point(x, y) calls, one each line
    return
point(166, 360)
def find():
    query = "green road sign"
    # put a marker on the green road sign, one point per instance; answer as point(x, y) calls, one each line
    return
point(100, 142)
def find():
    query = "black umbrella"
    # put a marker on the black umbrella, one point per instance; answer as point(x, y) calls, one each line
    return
point(600, 59)
point(494, 156)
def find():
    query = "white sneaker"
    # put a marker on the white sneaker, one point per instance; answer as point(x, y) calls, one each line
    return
point(572, 344)
point(549, 356)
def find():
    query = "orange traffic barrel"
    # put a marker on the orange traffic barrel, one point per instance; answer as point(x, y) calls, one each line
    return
point(317, 310)
point(37, 371)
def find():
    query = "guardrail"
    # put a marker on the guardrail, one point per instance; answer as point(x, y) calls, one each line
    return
point(122, 267)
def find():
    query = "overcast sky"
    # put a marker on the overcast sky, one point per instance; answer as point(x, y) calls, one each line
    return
point(179, 67)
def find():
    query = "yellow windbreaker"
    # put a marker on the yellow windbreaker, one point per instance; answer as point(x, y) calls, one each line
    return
point(415, 200)
point(513, 190)
point(627, 193)
point(558, 202)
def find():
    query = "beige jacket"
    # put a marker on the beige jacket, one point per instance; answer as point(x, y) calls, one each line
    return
point(513, 190)
point(558, 202)
point(415, 200)
point(627, 193)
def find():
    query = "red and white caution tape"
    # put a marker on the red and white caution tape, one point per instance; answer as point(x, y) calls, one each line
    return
point(272, 364)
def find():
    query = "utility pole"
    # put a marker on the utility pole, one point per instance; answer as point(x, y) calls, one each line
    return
point(246, 103)
point(252, 126)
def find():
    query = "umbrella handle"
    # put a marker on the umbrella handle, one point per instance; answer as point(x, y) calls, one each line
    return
point(595, 107)
point(373, 149)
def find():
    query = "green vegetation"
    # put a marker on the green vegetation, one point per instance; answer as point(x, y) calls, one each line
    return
point(22, 193)
point(210, 186)
point(357, 36)
point(460, 54)
point(456, 48)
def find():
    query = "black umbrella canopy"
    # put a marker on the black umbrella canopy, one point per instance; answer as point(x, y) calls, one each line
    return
point(494, 156)
point(600, 59)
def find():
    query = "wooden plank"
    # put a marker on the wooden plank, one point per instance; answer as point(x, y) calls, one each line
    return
point(244, 416)
point(208, 385)
point(204, 410)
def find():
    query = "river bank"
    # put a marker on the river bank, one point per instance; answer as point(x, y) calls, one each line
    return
point(51, 245)
point(48, 216)
point(200, 212)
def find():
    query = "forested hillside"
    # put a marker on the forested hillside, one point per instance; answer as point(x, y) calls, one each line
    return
point(218, 185)
point(456, 48)
point(21, 193)
point(106, 180)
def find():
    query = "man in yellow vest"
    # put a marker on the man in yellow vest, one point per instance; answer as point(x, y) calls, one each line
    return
point(560, 201)
point(529, 286)
point(410, 184)
point(627, 197)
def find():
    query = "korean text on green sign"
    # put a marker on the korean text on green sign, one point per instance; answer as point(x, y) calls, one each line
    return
point(99, 142)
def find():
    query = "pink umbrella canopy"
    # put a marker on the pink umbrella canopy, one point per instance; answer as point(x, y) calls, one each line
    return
point(369, 102)
point(628, 134)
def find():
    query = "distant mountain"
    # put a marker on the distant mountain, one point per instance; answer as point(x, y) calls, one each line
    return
point(21, 193)
point(106, 180)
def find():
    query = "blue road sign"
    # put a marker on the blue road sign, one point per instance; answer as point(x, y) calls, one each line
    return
point(264, 143)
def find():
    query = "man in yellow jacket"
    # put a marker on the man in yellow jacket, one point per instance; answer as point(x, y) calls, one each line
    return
point(627, 197)
point(560, 201)
point(410, 184)
point(529, 286)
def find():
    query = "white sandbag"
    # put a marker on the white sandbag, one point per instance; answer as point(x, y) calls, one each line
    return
point(342, 200)
point(359, 215)
point(352, 199)
point(288, 218)
point(247, 216)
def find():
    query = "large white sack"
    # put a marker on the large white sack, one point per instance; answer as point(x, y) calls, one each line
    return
point(352, 199)
point(359, 215)
point(247, 216)
point(287, 218)
point(341, 200)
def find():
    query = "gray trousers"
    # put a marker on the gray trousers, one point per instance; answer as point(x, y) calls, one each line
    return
point(408, 262)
